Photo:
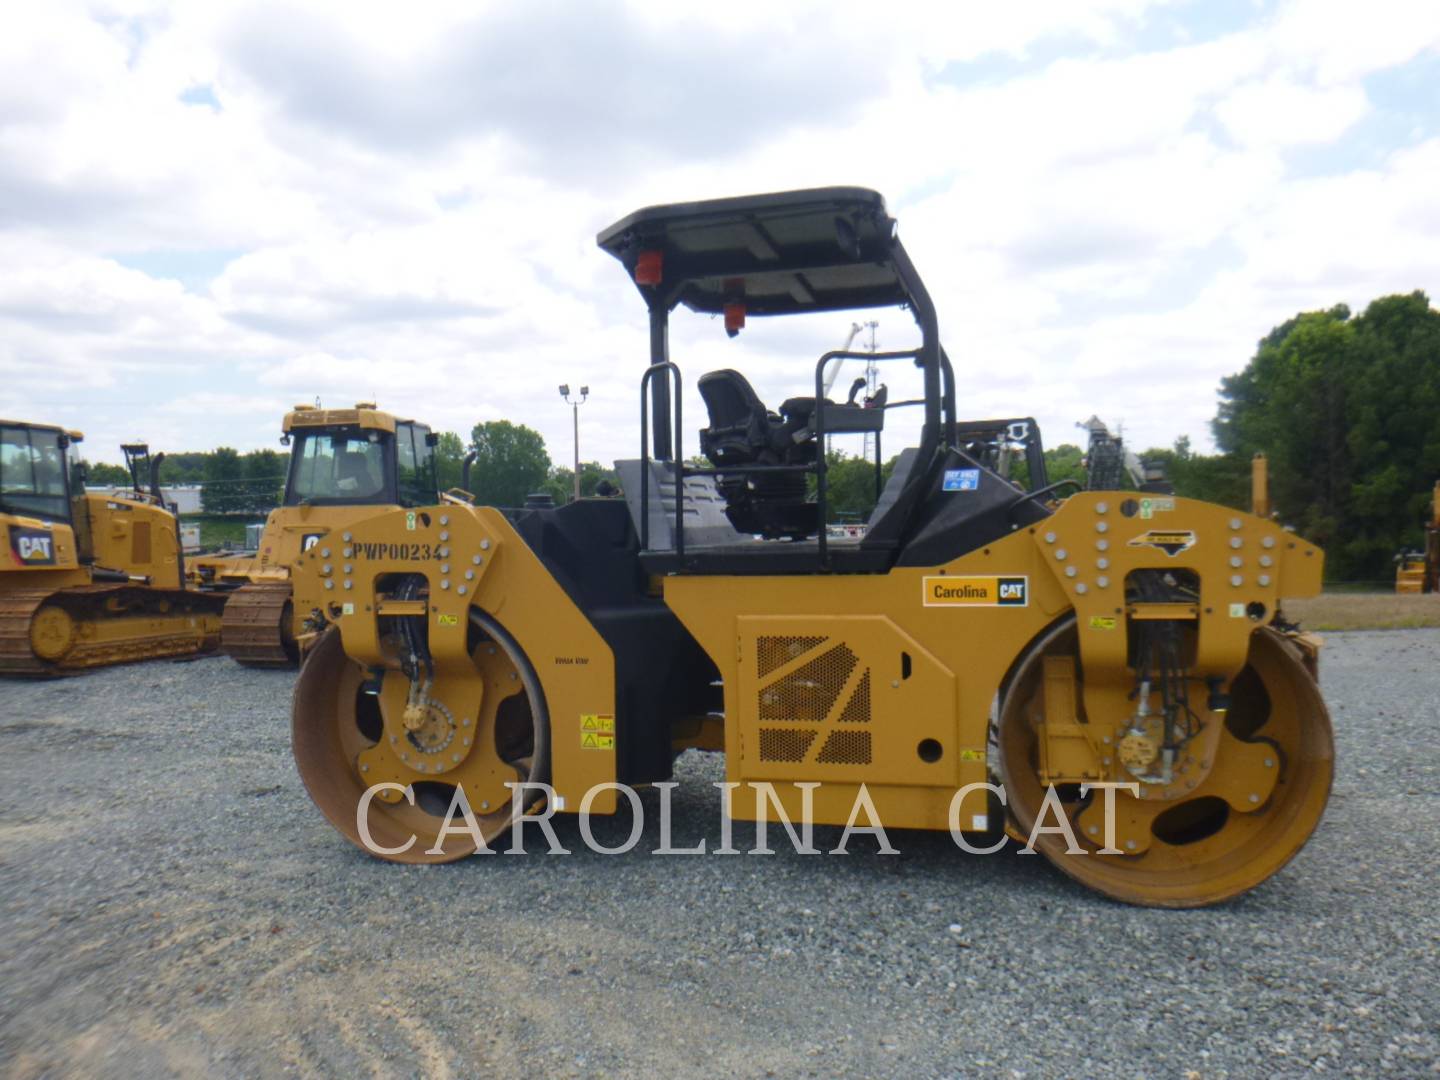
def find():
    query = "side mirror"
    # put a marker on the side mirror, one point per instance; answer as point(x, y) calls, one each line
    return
point(431, 439)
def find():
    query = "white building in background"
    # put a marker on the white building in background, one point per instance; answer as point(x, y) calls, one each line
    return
point(185, 498)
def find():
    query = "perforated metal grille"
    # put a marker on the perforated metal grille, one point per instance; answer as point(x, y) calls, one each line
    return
point(785, 744)
point(774, 652)
point(857, 709)
point(845, 748)
point(810, 691)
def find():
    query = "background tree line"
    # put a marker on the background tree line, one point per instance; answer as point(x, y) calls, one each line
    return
point(1346, 408)
point(511, 464)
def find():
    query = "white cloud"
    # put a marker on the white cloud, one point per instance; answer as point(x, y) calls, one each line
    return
point(1279, 112)
point(411, 197)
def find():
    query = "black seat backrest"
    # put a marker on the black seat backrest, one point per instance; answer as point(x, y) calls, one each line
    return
point(730, 399)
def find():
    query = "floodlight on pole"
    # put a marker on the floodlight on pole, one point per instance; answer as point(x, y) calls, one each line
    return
point(575, 411)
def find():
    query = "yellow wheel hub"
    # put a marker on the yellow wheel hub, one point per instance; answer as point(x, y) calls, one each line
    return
point(52, 633)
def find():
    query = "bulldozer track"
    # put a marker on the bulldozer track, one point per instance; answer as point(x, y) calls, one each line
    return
point(112, 624)
point(257, 626)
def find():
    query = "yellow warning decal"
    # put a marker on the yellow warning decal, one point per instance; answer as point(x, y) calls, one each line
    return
point(589, 740)
point(972, 755)
point(958, 591)
point(597, 722)
point(448, 620)
point(1172, 541)
point(1103, 622)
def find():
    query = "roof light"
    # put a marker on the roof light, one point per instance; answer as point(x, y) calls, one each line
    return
point(649, 267)
point(734, 318)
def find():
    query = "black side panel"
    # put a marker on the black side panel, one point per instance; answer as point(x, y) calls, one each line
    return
point(661, 673)
point(978, 508)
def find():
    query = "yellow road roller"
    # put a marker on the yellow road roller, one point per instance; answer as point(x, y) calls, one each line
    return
point(345, 464)
point(1105, 676)
point(89, 579)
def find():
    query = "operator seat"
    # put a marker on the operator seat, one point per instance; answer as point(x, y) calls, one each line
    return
point(744, 432)
point(353, 476)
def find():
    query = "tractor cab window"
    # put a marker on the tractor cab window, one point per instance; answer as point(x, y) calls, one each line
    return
point(415, 462)
point(32, 473)
point(336, 468)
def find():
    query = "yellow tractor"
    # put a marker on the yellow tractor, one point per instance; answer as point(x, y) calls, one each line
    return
point(985, 659)
point(89, 579)
point(1419, 571)
point(345, 464)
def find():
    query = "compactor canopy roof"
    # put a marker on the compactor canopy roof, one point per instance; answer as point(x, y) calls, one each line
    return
point(822, 249)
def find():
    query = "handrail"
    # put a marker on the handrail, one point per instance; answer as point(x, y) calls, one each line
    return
point(817, 418)
point(670, 368)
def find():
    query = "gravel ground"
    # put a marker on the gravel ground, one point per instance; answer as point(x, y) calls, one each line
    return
point(171, 903)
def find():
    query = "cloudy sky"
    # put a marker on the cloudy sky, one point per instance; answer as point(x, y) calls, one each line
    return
point(209, 212)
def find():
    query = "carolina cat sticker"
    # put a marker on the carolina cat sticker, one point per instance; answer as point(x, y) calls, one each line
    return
point(947, 591)
point(1171, 541)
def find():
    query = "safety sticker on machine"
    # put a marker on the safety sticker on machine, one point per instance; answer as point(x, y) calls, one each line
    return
point(962, 480)
point(597, 722)
point(977, 591)
point(590, 740)
point(1102, 622)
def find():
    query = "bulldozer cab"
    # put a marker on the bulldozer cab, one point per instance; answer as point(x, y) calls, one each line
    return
point(359, 457)
point(34, 474)
point(751, 510)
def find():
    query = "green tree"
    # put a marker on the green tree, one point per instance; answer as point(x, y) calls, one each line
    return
point(561, 481)
point(100, 474)
point(510, 463)
point(264, 472)
point(224, 491)
point(1063, 462)
point(185, 467)
point(1216, 478)
point(1346, 410)
point(449, 460)
point(850, 486)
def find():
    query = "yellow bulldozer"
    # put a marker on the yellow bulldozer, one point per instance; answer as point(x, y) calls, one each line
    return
point(345, 465)
point(1419, 571)
point(1106, 677)
point(89, 579)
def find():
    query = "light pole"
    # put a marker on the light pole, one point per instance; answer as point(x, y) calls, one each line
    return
point(575, 409)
